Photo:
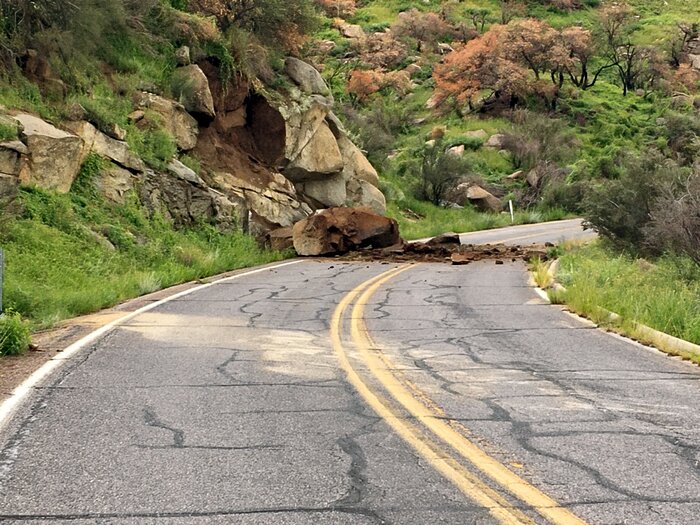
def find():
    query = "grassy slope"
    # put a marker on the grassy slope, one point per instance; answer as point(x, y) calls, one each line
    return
point(664, 295)
point(59, 263)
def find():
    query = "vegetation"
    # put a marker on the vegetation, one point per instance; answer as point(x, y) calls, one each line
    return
point(663, 294)
point(73, 254)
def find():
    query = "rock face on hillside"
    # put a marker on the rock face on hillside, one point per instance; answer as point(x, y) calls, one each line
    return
point(267, 162)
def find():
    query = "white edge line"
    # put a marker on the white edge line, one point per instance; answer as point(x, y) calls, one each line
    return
point(8, 406)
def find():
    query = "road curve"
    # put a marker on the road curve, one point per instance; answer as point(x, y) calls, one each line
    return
point(363, 393)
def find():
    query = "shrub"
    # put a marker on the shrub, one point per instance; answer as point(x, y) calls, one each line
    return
point(439, 172)
point(620, 209)
point(675, 218)
point(14, 334)
point(537, 138)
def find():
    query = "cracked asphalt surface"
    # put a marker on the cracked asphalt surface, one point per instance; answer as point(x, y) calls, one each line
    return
point(229, 406)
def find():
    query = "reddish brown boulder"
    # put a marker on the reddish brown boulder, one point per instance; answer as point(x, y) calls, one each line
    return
point(340, 230)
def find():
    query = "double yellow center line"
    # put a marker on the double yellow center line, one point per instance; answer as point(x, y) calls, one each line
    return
point(426, 429)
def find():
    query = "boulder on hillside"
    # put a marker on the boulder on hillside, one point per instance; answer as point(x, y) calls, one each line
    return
point(477, 134)
point(319, 158)
point(362, 193)
point(355, 164)
point(340, 230)
point(54, 155)
point(306, 77)
point(533, 178)
point(482, 199)
point(194, 92)
point(282, 239)
point(352, 31)
point(496, 141)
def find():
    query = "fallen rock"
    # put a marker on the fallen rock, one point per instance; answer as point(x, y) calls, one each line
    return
point(461, 258)
point(306, 77)
point(281, 239)
point(340, 230)
point(54, 155)
point(194, 92)
point(516, 175)
point(449, 238)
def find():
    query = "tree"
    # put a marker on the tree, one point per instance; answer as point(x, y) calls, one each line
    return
point(479, 65)
point(426, 28)
point(363, 83)
point(581, 49)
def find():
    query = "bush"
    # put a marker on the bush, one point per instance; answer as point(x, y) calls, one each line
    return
point(537, 138)
point(439, 172)
point(675, 218)
point(14, 334)
point(620, 209)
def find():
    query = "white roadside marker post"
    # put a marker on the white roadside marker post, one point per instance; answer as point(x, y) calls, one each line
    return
point(512, 215)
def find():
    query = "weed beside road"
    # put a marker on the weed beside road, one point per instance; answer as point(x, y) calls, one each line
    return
point(663, 294)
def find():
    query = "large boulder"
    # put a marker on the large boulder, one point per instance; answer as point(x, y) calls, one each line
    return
point(328, 192)
point(355, 164)
point(173, 117)
point(496, 141)
point(340, 230)
point(54, 155)
point(97, 142)
point(194, 92)
point(320, 157)
point(301, 122)
point(362, 193)
point(306, 77)
point(483, 200)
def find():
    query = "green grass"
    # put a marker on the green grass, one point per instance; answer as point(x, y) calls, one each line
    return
point(436, 220)
point(664, 295)
point(74, 254)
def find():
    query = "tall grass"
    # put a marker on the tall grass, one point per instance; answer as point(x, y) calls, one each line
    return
point(664, 294)
point(72, 254)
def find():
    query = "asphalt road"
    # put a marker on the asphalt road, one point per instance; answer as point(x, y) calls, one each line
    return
point(358, 393)
point(555, 231)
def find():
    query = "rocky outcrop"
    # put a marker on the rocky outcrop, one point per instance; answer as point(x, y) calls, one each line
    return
point(54, 156)
point(194, 92)
point(306, 77)
point(173, 116)
point(340, 230)
point(94, 141)
point(267, 161)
